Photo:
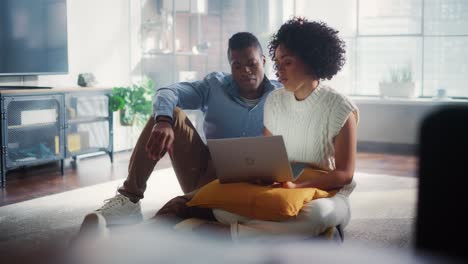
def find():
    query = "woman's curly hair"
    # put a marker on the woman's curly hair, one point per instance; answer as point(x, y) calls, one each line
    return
point(316, 44)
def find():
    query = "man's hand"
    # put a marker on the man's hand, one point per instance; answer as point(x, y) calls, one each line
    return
point(160, 141)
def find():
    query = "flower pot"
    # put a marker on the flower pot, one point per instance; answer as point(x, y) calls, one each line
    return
point(397, 89)
point(125, 119)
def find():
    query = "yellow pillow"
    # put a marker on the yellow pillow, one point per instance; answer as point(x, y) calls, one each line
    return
point(256, 201)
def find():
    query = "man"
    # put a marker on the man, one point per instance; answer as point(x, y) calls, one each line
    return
point(233, 107)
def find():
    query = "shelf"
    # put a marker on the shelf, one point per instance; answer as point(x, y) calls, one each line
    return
point(179, 53)
point(84, 120)
point(88, 151)
point(32, 161)
point(34, 126)
point(25, 159)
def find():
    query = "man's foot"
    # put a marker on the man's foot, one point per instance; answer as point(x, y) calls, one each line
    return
point(93, 228)
point(119, 210)
point(94, 223)
point(334, 234)
point(204, 228)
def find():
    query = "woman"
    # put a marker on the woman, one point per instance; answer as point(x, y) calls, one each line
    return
point(317, 123)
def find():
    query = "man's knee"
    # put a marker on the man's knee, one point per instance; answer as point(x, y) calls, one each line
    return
point(178, 114)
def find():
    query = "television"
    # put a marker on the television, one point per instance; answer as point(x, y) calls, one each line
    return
point(33, 37)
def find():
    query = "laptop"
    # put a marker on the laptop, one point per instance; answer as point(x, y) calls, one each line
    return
point(253, 159)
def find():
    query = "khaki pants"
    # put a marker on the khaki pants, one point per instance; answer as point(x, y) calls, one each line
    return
point(191, 162)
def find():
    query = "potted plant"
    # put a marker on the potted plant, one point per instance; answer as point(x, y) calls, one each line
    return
point(133, 102)
point(400, 83)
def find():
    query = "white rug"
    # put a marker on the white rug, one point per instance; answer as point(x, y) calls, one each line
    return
point(382, 206)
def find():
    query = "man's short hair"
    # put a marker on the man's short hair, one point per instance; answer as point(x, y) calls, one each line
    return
point(243, 40)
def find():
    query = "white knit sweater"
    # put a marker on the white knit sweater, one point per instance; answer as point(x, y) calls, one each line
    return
point(309, 126)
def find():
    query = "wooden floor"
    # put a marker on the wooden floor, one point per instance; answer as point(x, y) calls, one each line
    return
point(34, 182)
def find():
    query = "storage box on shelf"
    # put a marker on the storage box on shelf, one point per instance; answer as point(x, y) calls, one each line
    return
point(46, 125)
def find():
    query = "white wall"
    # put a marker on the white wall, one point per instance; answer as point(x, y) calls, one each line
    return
point(98, 35)
point(98, 42)
point(393, 121)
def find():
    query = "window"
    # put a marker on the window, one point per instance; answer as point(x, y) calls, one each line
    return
point(446, 66)
point(379, 59)
point(425, 39)
point(445, 17)
point(343, 19)
point(390, 17)
point(445, 41)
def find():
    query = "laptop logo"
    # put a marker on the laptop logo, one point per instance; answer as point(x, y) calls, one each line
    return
point(249, 161)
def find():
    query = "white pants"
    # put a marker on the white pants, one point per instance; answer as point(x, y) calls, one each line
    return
point(313, 219)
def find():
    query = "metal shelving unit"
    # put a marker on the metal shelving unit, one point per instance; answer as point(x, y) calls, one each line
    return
point(41, 126)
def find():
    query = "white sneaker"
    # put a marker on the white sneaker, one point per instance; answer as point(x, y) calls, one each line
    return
point(119, 210)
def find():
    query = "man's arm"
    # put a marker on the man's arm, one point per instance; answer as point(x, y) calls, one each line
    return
point(186, 95)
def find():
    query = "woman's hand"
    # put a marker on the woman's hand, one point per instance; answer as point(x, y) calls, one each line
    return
point(286, 185)
point(289, 185)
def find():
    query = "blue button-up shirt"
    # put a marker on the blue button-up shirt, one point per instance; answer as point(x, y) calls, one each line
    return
point(217, 96)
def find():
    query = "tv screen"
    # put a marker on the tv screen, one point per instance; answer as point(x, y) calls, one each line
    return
point(33, 37)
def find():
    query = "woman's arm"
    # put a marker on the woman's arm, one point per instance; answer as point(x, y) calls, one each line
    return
point(345, 156)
